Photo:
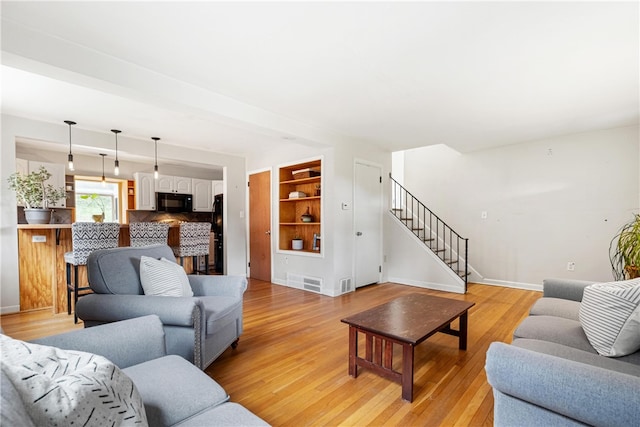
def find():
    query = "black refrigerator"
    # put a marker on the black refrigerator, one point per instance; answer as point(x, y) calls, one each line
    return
point(216, 229)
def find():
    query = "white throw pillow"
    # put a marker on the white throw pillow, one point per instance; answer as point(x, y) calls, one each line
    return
point(72, 388)
point(163, 277)
point(610, 317)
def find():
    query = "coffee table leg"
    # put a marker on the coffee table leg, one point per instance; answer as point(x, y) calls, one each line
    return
point(462, 345)
point(407, 372)
point(353, 351)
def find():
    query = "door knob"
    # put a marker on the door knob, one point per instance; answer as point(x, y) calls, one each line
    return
point(358, 233)
point(268, 232)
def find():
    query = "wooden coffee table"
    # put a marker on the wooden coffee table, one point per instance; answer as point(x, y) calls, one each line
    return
point(407, 321)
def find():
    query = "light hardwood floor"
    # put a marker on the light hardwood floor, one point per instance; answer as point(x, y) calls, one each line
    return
point(290, 367)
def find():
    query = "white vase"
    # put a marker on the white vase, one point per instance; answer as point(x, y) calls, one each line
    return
point(37, 216)
point(296, 244)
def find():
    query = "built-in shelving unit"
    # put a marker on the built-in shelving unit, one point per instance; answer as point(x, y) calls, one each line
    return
point(300, 194)
point(131, 194)
point(70, 189)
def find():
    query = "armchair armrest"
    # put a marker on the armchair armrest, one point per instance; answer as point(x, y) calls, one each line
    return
point(231, 286)
point(175, 311)
point(565, 288)
point(586, 393)
point(125, 343)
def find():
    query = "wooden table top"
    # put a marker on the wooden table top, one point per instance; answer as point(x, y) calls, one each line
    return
point(411, 318)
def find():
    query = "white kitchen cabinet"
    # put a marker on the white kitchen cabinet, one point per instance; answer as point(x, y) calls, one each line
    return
point(218, 187)
point(182, 185)
point(22, 166)
point(173, 184)
point(202, 195)
point(145, 191)
point(164, 184)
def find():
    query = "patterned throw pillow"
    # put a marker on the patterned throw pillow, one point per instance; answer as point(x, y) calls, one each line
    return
point(70, 388)
point(164, 278)
point(610, 317)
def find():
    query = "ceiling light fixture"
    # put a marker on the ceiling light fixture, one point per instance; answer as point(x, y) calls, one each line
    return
point(70, 123)
point(116, 167)
point(104, 181)
point(155, 166)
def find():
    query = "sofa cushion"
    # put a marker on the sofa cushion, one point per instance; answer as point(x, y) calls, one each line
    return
point(557, 307)
point(610, 317)
point(219, 308)
point(554, 329)
point(102, 264)
point(163, 278)
point(576, 355)
point(173, 389)
point(62, 387)
point(228, 414)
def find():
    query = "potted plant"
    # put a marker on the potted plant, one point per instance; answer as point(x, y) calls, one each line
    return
point(35, 195)
point(95, 201)
point(624, 251)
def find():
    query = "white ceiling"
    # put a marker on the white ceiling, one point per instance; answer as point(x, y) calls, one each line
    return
point(241, 77)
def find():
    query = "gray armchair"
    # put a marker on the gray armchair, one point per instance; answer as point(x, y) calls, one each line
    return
point(198, 328)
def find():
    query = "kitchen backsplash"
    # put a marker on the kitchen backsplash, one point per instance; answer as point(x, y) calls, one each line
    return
point(152, 216)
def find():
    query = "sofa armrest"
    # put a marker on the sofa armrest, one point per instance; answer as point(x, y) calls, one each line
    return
point(230, 286)
point(174, 311)
point(565, 288)
point(125, 343)
point(585, 393)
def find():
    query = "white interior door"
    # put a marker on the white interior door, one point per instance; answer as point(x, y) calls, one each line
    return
point(367, 212)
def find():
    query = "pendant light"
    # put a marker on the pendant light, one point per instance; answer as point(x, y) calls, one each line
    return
point(70, 123)
point(104, 181)
point(155, 166)
point(116, 167)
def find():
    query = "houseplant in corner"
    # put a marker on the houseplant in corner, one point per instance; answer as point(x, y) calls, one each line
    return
point(35, 195)
point(624, 251)
point(95, 201)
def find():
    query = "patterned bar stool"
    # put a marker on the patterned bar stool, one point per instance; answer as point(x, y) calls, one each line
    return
point(194, 242)
point(85, 238)
point(148, 233)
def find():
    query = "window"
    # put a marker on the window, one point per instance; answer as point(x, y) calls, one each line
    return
point(94, 198)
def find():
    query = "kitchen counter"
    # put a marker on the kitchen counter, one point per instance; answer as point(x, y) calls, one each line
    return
point(42, 270)
point(42, 226)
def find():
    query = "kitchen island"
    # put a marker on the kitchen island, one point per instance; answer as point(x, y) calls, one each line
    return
point(42, 272)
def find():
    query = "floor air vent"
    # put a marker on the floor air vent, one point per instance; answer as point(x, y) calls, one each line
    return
point(345, 285)
point(313, 284)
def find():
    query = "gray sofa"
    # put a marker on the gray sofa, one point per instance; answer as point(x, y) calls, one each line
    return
point(551, 375)
point(198, 328)
point(173, 391)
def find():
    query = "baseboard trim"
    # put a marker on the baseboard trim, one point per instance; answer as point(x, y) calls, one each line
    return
point(506, 284)
point(10, 309)
point(427, 285)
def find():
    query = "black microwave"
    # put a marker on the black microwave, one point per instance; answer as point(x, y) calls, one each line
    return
point(174, 203)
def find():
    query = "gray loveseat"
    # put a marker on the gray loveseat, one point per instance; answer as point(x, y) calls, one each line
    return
point(551, 375)
point(198, 328)
point(173, 391)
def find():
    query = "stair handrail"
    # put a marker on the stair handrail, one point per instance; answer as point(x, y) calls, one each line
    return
point(441, 254)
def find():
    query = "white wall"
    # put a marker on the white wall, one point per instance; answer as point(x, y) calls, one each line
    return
point(14, 128)
point(548, 202)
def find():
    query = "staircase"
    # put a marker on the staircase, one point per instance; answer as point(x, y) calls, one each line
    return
point(442, 240)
